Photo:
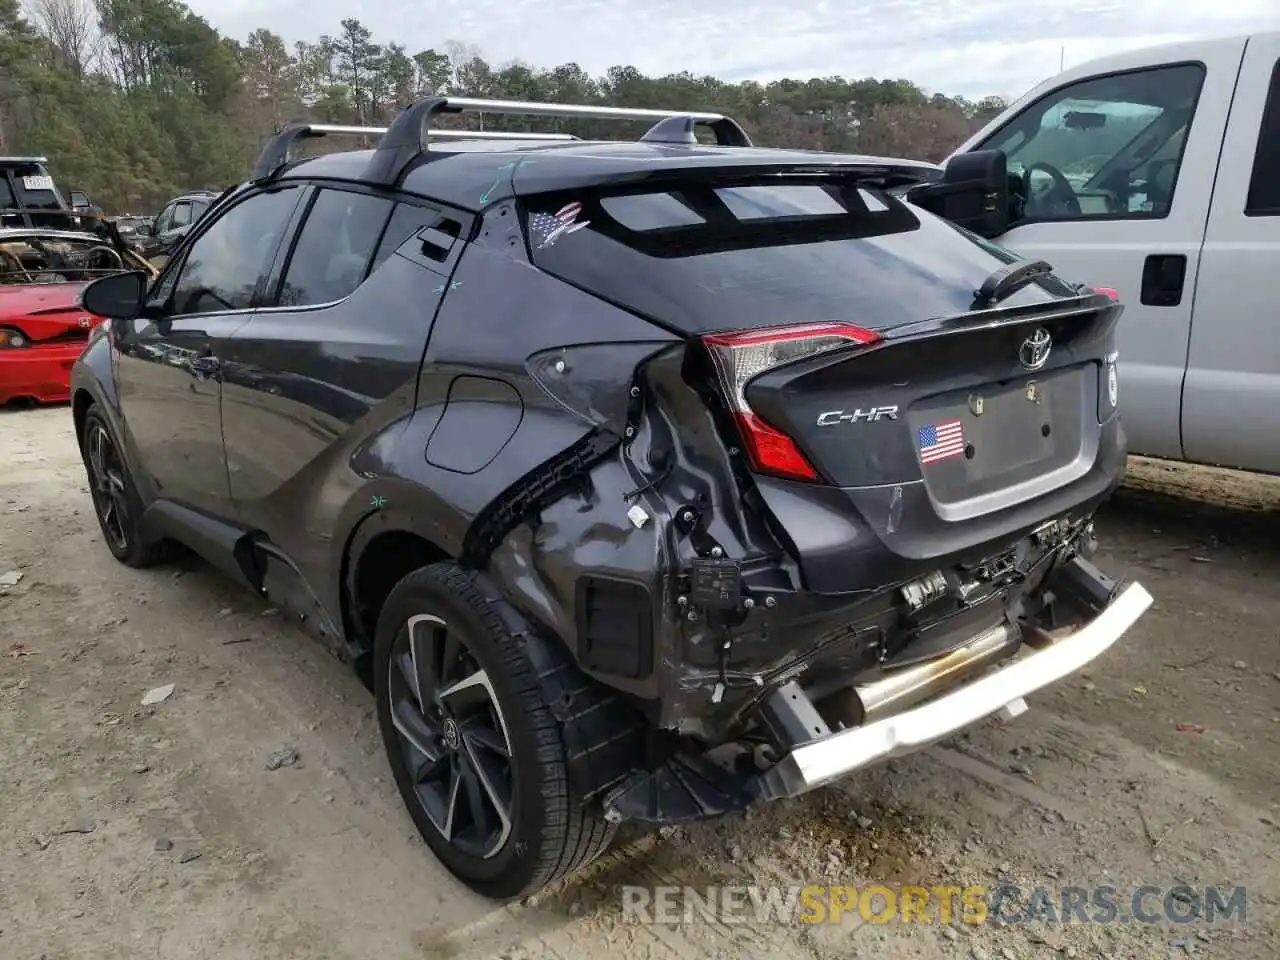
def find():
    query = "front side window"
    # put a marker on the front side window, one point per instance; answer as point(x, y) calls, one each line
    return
point(1104, 147)
point(163, 220)
point(181, 215)
point(334, 248)
point(226, 263)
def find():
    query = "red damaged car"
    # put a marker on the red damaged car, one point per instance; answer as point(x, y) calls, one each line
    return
point(43, 329)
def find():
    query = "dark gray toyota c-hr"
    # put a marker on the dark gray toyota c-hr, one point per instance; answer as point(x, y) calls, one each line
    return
point(638, 480)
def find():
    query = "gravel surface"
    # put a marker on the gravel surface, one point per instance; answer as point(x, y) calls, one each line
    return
point(249, 813)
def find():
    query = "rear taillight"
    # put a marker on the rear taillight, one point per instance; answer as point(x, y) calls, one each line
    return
point(1109, 292)
point(741, 356)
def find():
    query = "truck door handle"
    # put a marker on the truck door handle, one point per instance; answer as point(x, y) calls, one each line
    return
point(1163, 275)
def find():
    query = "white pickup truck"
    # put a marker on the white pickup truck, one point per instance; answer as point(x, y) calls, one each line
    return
point(1155, 173)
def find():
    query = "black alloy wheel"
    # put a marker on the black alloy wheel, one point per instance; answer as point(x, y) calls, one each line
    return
point(106, 478)
point(477, 754)
point(116, 503)
point(453, 736)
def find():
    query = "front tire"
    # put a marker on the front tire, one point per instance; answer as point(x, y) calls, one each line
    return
point(475, 751)
point(116, 502)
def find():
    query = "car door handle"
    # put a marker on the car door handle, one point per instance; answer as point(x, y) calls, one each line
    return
point(205, 364)
point(1163, 276)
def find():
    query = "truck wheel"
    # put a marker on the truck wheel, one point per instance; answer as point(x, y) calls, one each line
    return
point(116, 502)
point(475, 751)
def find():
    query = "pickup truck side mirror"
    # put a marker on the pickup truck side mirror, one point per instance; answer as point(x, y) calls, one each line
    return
point(973, 193)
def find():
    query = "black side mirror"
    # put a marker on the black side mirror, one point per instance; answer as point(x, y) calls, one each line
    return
point(120, 296)
point(973, 193)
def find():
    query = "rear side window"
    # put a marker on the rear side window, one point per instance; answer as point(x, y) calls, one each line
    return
point(335, 247)
point(407, 220)
point(706, 257)
point(1264, 187)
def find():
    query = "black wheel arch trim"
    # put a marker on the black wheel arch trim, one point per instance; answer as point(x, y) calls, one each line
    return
point(386, 505)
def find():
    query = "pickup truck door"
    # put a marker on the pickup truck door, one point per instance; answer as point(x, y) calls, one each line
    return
point(1120, 167)
point(1231, 400)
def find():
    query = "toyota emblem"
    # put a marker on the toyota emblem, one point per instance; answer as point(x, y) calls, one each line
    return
point(85, 322)
point(1034, 352)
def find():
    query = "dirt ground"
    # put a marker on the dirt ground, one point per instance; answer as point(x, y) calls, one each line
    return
point(133, 831)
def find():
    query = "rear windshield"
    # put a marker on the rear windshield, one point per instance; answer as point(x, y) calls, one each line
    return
point(35, 186)
point(702, 257)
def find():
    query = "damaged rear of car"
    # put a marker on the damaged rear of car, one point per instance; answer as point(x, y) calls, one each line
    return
point(865, 473)
point(639, 480)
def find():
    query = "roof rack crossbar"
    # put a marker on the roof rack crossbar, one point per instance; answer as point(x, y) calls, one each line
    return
point(443, 134)
point(404, 141)
point(278, 151)
point(408, 134)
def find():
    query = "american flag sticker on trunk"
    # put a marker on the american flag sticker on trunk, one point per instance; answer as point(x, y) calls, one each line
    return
point(548, 228)
point(940, 441)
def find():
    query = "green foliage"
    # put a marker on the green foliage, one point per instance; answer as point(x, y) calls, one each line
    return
point(133, 101)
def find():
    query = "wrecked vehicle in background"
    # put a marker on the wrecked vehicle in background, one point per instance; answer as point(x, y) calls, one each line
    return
point(43, 328)
point(639, 480)
point(157, 238)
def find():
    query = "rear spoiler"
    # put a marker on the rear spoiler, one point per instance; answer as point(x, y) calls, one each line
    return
point(571, 173)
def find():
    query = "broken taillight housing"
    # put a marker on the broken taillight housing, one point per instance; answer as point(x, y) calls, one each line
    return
point(741, 356)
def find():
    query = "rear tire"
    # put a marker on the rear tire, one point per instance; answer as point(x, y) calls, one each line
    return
point(481, 767)
point(116, 502)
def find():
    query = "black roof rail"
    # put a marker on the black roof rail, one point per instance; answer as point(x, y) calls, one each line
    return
point(277, 152)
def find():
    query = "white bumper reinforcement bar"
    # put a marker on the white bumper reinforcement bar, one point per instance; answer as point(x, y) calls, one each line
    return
point(813, 764)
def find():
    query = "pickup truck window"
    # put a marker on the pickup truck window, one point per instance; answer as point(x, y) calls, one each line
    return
point(1107, 147)
point(1264, 185)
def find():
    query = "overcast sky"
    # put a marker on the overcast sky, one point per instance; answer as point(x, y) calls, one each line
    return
point(969, 47)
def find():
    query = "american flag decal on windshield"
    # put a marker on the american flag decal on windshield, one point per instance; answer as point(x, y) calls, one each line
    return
point(547, 228)
point(940, 441)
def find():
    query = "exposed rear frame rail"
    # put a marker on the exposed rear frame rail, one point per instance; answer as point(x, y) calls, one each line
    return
point(409, 134)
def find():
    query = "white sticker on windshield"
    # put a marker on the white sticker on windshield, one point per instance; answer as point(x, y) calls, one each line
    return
point(38, 183)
